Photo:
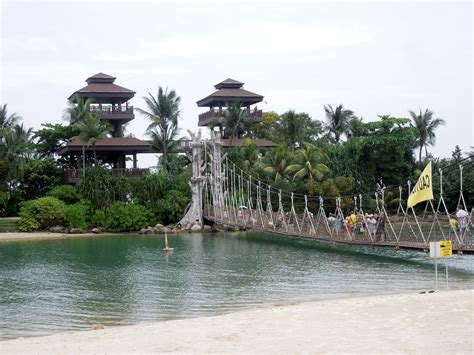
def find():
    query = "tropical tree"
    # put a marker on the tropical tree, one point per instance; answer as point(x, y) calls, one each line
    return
point(91, 129)
point(295, 128)
point(266, 128)
point(78, 110)
point(250, 153)
point(14, 147)
point(163, 112)
point(233, 123)
point(425, 126)
point(6, 120)
point(355, 128)
point(337, 121)
point(308, 164)
point(52, 137)
point(166, 142)
point(277, 161)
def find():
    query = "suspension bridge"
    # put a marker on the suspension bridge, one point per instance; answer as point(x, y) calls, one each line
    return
point(225, 194)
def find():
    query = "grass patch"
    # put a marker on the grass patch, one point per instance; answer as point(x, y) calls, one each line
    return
point(9, 224)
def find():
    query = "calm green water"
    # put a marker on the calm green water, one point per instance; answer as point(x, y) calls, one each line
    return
point(70, 284)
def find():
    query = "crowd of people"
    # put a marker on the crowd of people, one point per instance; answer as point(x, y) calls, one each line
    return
point(374, 225)
point(359, 225)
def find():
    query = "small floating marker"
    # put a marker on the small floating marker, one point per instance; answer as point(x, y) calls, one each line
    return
point(167, 248)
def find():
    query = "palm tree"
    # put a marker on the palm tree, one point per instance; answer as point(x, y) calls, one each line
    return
point(308, 165)
point(337, 121)
point(425, 125)
point(6, 120)
point(233, 123)
point(91, 129)
point(355, 128)
point(78, 109)
point(163, 112)
point(277, 162)
point(14, 147)
point(250, 153)
point(168, 144)
point(291, 128)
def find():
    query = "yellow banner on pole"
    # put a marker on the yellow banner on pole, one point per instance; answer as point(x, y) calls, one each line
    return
point(423, 189)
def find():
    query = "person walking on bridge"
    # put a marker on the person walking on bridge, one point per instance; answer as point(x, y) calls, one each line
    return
point(351, 223)
point(462, 217)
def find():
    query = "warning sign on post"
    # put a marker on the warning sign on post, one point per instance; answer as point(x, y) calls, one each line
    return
point(445, 248)
point(441, 249)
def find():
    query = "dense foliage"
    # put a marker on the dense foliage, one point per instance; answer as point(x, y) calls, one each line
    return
point(42, 213)
point(341, 155)
point(123, 217)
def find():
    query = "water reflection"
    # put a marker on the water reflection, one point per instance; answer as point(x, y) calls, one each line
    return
point(70, 284)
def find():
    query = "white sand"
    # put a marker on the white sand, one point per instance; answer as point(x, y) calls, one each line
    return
point(407, 323)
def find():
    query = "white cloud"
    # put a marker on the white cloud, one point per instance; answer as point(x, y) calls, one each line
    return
point(30, 45)
point(60, 74)
point(303, 96)
point(248, 39)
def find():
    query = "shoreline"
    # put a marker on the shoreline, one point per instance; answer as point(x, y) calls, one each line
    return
point(439, 322)
point(16, 236)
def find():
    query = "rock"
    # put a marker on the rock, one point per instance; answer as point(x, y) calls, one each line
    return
point(207, 229)
point(196, 228)
point(158, 226)
point(98, 327)
point(95, 230)
point(57, 229)
point(76, 231)
point(162, 229)
point(231, 228)
point(142, 231)
point(217, 228)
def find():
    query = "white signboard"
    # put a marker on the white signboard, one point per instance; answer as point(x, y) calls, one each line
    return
point(435, 250)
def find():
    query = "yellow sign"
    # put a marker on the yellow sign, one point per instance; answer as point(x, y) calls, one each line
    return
point(445, 248)
point(423, 189)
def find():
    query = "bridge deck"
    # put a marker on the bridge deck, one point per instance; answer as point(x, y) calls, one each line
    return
point(421, 246)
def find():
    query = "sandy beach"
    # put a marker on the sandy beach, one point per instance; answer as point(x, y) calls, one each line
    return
point(440, 322)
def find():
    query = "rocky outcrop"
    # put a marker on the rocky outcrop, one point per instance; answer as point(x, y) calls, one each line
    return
point(57, 229)
point(76, 231)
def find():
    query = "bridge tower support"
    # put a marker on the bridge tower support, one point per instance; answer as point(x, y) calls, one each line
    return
point(193, 218)
point(216, 177)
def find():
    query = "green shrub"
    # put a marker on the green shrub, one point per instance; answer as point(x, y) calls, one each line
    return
point(122, 217)
point(66, 193)
point(42, 213)
point(28, 224)
point(96, 186)
point(77, 215)
point(170, 209)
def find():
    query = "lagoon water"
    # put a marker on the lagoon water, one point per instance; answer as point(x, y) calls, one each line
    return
point(67, 284)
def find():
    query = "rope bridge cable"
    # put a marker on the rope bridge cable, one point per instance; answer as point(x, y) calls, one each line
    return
point(453, 167)
point(396, 230)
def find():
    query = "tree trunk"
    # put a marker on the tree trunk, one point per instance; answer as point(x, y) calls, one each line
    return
point(95, 155)
point(419, 155)
point(165, 159)
point(83, 160)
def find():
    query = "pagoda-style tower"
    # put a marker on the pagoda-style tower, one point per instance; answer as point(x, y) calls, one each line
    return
point(232, 91)
point(107, 101)
point(229, 91)
point(110, 102)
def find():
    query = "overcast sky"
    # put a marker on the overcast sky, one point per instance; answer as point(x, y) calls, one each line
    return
point(373, 57)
